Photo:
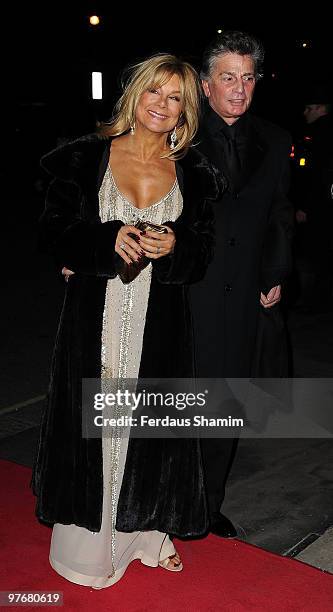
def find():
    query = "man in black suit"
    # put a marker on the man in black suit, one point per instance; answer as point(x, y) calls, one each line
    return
point(235, 307)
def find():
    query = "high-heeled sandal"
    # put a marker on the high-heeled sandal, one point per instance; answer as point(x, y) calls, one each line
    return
point(176, 568)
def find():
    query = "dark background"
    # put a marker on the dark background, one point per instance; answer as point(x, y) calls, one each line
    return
point(279, 492)
point(50, 52)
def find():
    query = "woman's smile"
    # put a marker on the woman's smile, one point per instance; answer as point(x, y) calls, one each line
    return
point(157, 115)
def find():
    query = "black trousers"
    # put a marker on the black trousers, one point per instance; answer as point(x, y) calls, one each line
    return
point(217, 455)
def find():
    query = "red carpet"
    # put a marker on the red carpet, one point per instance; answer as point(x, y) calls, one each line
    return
point(218, 574)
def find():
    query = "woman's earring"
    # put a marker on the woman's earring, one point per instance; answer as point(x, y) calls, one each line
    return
point(173, 138)
point(132, 128)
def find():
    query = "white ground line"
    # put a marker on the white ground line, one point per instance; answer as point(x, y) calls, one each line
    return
point(287, 552)
point(32, 400)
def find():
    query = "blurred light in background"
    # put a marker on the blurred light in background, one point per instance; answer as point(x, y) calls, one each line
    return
point(94, 20)
point(219, 31)
point(96, 85)
point(302, 161)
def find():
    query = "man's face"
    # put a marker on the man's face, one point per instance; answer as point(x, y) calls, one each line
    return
point(231, 86)
point(313, 111)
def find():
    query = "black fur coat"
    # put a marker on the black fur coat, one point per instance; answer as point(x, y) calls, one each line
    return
point(163, 486)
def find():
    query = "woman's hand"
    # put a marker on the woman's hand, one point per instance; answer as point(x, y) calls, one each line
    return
point(127, 247)
point(155, 245)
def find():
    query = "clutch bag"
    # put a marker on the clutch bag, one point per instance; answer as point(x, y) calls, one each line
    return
point(128, 272)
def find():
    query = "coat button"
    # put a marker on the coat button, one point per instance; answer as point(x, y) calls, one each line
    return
point(232, 242)
point(227, 288)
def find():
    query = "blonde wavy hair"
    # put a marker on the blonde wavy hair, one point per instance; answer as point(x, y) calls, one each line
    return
point(153, 73)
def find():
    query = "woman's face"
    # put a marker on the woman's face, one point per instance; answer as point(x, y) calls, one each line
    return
point(159, 108)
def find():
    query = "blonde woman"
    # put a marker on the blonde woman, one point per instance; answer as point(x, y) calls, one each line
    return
point(113, 500)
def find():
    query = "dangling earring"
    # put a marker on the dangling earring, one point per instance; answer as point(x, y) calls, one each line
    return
point(173, 138)
point(132, 128)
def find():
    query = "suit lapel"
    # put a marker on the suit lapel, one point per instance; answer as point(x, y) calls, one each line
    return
point(211, 148)
point(254, 154)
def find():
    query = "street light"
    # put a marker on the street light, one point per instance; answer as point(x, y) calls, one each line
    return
point(94, 20)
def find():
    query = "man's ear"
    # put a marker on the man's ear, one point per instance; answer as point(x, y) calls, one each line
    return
point(205, 87)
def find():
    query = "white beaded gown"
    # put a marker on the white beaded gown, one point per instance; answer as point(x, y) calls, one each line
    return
point(99, 559)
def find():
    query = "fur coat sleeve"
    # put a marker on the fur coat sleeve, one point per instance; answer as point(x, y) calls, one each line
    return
point(194, 230)
point(76, 243)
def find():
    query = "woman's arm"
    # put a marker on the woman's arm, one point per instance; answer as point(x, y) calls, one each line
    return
point(76, 243)
point(192, 251)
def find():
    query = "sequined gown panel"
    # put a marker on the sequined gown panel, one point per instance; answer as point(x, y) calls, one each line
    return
point(100, 559)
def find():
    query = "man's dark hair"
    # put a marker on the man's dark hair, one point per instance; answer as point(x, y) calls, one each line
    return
point(233, 41)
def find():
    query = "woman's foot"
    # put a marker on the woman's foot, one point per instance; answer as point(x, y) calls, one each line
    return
point(172, 563)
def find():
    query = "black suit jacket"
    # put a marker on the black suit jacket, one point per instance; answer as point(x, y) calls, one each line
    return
point(252, 254)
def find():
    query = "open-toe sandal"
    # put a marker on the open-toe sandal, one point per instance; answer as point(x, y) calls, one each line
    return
point(177, 567)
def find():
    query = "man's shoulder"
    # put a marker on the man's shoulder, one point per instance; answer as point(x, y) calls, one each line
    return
point(321, 130)
point(269, 130)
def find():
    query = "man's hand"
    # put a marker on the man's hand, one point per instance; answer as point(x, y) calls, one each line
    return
point(67, 273)
point(301, 216)
point(272, 297)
